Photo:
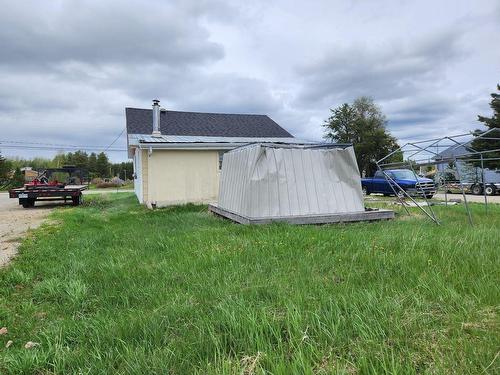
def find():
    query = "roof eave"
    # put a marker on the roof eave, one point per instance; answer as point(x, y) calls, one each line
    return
point(190, 146)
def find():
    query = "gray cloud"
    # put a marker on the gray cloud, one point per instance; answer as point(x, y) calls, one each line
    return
point(399, 70)
point(69, 68)
point(104, 32)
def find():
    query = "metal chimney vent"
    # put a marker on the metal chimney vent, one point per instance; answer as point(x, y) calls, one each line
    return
point(156, 117)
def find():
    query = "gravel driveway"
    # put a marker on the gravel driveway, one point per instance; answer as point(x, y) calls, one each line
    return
point(15, 221)
point(470, 198)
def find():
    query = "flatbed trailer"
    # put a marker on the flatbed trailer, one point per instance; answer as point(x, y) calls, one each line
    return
point(476, 188)
point(28, 195)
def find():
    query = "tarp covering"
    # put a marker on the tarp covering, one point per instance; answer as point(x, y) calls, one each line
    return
point(272, 180)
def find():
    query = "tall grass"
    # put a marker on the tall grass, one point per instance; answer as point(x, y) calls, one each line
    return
point(115, 288)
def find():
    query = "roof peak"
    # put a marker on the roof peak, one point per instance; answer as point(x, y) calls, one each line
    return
point(199, 112)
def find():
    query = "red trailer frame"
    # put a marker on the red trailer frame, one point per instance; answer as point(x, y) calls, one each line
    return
point(29, 195)
point(43, 189)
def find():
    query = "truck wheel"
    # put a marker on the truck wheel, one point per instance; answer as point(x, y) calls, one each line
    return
point(365, 190)
point(476, 189)
point(77, 200)
point(490, 190)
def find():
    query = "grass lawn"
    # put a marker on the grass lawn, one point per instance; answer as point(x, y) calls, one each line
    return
point(114, 288)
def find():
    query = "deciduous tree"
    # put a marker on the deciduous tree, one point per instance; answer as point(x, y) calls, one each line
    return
point(364, 125)
point(17, 178)
point(5, 168)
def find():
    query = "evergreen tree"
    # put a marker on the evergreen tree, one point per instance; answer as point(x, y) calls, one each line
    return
point(102, 165)
point(492, 122)
point(68, 159)
point(124, 170)
point(80, 159)
point(364, 125)
point(92, 164)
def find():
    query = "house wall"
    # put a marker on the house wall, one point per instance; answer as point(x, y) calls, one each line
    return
point(180, 176)
point(145, 175)
point(137, 162)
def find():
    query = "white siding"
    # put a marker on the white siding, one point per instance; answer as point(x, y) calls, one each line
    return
point(181, 176)
point(137, 161)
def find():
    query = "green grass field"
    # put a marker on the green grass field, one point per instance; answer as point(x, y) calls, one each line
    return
point(111, 288)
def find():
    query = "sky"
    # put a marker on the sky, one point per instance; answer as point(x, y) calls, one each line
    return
point(69, 68)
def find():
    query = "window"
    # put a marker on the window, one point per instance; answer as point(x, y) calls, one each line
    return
point(221, 155)
point(404, 174)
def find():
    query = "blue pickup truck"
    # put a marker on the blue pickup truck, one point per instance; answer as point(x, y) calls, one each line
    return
point(404, 178)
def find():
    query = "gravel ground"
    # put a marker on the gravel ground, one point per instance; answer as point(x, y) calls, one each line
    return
point(470, 198)
point(15, 221)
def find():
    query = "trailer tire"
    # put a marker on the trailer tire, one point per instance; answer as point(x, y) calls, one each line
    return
point(490, 190)
point(476, 189)
point(77, 200)
point(28, 202)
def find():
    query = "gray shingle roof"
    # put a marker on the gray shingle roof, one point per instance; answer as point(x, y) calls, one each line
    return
point(140, 121)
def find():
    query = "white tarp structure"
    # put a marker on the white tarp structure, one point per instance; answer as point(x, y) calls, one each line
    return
point(283, 180)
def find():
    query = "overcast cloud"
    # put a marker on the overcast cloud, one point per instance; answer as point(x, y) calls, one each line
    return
point(69, 68)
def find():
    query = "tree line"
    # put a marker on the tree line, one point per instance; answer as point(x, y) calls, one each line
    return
point(363, 124)
point(97, 165)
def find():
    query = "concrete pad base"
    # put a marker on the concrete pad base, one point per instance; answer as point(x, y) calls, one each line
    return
point(379, 214)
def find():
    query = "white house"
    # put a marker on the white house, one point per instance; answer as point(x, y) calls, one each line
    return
point(177, 156)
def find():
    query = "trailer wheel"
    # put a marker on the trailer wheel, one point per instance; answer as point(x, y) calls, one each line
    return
point(476, 189)
point(365, 190)
point(490, 190)
point(28, 202)
point(77, 200)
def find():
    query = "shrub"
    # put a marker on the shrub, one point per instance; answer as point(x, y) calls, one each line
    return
point(118, 181)
point(104, 185)
point(96, 181)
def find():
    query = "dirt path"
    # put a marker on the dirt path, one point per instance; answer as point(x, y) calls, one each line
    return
point(15, 221)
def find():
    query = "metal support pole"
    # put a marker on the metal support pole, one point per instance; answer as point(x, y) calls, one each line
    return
point(387, 177)
point(392, 187)
point(423, 192)
point(445, 184)
point(484, 186)
point(463, 194)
